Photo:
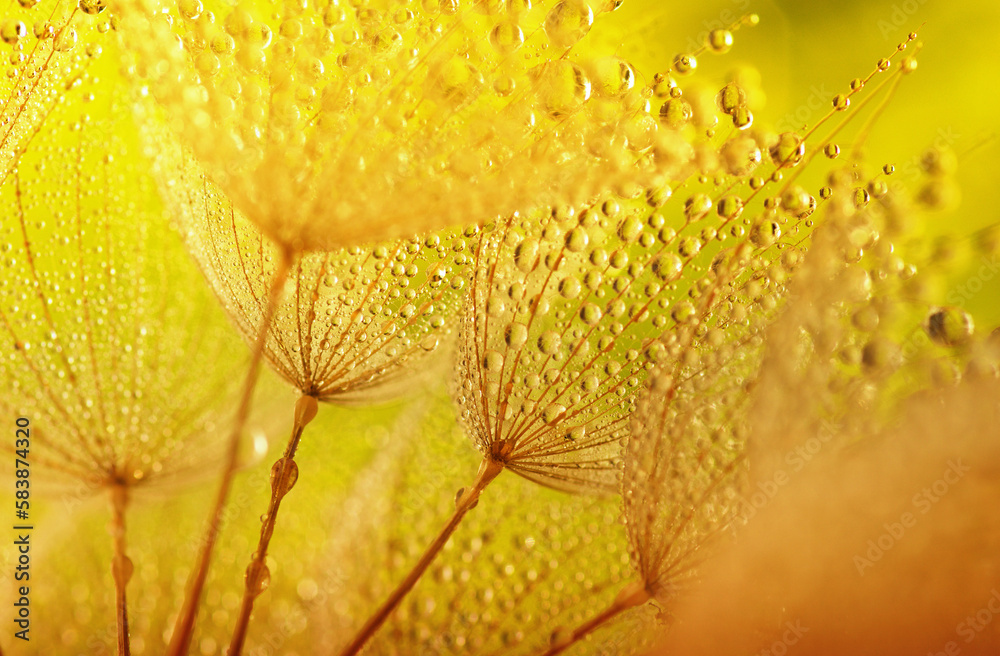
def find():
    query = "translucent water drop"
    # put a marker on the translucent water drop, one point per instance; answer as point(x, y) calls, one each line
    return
point(590, 314)
point(676, 113)
point(570, 287)
point(611, 76)
point(515, 335)
point(841, 102)
point(257, 577)
point(684, 64)
point(92, 7)
point(506, 37)
point(719, 41)
point(668, 267)
point(789, 150)
point(66, 40)
point(730, 207)
point(553, 412)
point(689, 247)
point(526, 255)
point(549, 342)
point(568, 22)
point(698, 206)
point(565, 88)
point(12, 31)
point(190, 9)
point(280, 485)
point(731, 97)
point(950, 326)
point(577, 239)
point(742, 118)
point(493, 361)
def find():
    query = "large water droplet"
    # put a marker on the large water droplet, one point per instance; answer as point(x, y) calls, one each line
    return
point(283, 481)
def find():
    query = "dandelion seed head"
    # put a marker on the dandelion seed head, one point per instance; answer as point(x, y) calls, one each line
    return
point(345, 123)
point(356, 325)
point(102, 316)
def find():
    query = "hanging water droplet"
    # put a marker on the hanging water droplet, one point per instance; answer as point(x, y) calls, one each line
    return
point(282, 482)
point(257, 577)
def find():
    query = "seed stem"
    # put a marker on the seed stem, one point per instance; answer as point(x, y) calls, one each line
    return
point(284, 473)
point(121, 566)
point(180, 641)
point(488, 470)
point(632, 595)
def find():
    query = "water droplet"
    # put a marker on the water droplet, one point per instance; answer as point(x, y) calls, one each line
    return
point(719, 41)
point(257, 577)
point(66, 40)
point(577, 239)
point(730, 207)
point(684, 64)
point(788, 151)
point(12, 31)
point(549, 342)
point(553, 412)
point(698, 206)
point(190, 9)
point(950, 326)
point(493, 361)
point(668, 267)
point(731, 97)
point(92, 7)
point(281, 484)
point(568, 22)
point(590, 314)
point(506, 37)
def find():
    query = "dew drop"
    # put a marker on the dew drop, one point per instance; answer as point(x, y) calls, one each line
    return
point(568, 22)
point(577, 239)
point(257, 577)
point(590, 314)
point(281, 485)
point(553, 412)
point(515, 335)
point(950, 326)
point(549, 342)
point(719, 41)
point(493, 362)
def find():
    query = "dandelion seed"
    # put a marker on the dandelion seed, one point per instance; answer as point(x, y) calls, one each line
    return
point(524, 345)
point(103, 320)
point(356, 325)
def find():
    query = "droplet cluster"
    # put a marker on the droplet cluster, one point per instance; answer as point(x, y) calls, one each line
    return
point(354, 324)
point(45, 52)
point(101, 314)
point(336, 123)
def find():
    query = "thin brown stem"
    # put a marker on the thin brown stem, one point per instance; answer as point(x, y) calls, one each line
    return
point(121, 565)
point(180, 641)
point(467, 500)
point(284, 473)
point(632, 595)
